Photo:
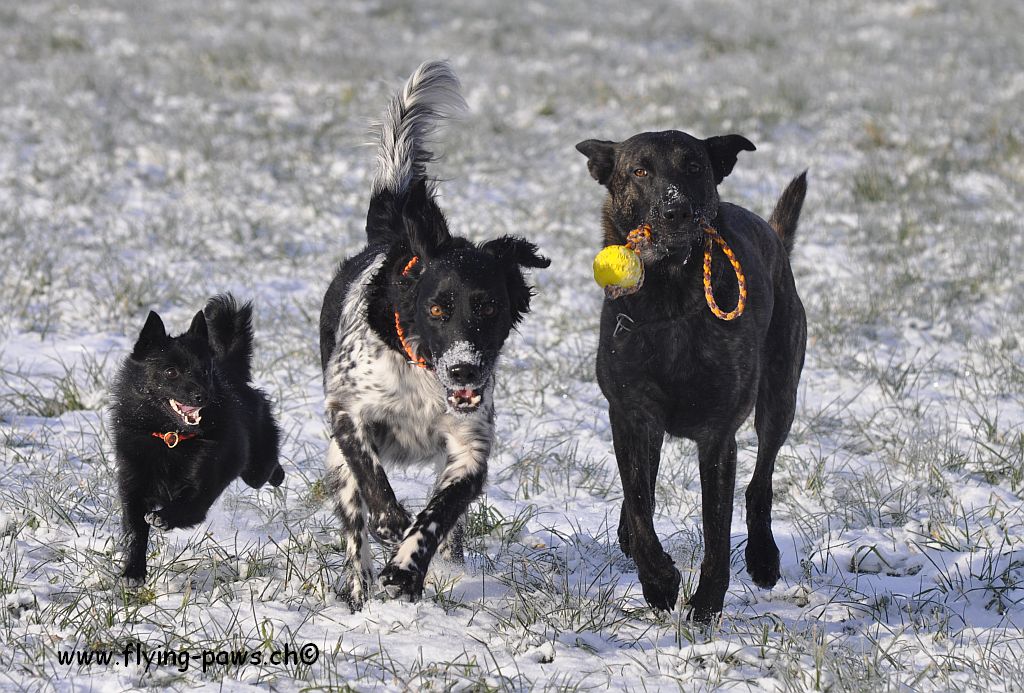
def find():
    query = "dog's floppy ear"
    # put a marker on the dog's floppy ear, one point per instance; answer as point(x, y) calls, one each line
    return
point(515, 250)
point(723, 150)
point(425, 225)
point(152, 335)
point(515, 253)
point(600, 158)
point(198, 328)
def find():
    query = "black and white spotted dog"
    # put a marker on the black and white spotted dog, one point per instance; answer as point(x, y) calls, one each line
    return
point(410, 332)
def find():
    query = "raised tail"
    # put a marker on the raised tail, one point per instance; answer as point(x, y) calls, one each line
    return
point(230, 328)
point(430, 95)
point(786, 214)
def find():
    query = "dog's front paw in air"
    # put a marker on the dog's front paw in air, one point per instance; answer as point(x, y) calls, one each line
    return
point(157, 521)
point(400, 583)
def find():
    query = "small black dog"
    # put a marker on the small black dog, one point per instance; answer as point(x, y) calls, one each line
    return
point(186, 423)
point(410, 332)
point(666, 364)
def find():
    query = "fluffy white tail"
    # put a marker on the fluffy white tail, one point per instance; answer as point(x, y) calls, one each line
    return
point(430, 95)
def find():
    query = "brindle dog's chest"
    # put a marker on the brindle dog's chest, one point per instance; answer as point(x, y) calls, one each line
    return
point(679, 367)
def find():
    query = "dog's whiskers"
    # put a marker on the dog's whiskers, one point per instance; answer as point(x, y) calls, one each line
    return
point(621, 326)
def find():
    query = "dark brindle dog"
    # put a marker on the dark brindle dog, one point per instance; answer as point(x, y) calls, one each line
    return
point(666, 364)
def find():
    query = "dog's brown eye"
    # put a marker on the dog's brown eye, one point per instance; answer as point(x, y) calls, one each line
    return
point(488, 310)
point(171, 372)
point(436, 311)
point(640, 172)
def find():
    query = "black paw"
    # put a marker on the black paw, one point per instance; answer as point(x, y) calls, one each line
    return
point(134, 576)
point(276, 476)
point(157, 521)
point(662, 591)
point(763, 564)
point(400, 583)
point(704, 609)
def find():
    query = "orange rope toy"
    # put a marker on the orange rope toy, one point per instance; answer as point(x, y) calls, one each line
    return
point(639, 235)
point(413, 358)
point(741, 280)
point(642, 234)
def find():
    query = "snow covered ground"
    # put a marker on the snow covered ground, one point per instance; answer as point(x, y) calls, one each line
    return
point(153, 154)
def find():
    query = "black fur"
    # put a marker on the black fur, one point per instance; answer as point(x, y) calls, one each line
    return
point(207, 366)
point(666, 364)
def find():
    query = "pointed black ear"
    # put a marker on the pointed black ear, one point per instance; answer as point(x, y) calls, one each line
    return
point(425, 225)
point(600, 158)
point(198, 328)
point(515, 253)
point(723, 151)
point(515, 250)
point(152, 335)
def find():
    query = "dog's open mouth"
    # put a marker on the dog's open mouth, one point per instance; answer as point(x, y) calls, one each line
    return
point(190, 415)
point(465, 399)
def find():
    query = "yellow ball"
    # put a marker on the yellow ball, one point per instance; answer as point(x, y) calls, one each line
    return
point(617, 265)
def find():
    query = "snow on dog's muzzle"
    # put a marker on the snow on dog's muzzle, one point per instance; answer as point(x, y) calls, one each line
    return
point(190, 415)
point(463, 374)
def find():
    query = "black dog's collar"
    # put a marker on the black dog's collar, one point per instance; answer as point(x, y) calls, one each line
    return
point(172, 438)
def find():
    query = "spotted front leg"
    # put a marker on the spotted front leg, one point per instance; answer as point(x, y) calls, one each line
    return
point(391, 525)
point(350, 509)
point(461, 482)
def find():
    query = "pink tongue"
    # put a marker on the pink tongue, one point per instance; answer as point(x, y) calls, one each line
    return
point(187, 409)
point(464, 394)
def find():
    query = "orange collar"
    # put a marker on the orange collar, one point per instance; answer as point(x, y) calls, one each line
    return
point(412, 263)
point(413, 358)
point(172, 438)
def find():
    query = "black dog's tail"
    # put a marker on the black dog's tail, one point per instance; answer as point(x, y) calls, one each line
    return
point(430, 96)
point(230, 328)
point(786, 214)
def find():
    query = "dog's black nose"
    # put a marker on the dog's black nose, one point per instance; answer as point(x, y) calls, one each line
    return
point(671, 211)
point(464, 373)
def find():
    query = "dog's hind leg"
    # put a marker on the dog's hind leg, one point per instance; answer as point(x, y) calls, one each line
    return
point(264, 465)
point(717, 456)
point(349, 507)
point(776, 404)
point(461, 481)
point(638, 442)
